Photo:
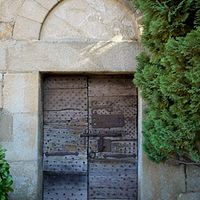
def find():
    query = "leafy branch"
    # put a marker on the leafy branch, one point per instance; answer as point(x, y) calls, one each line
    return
point(5, 177)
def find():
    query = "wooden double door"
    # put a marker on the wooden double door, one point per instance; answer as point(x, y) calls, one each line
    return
point(90, 137)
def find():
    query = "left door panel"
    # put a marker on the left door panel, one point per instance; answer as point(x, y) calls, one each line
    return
point(64, 151)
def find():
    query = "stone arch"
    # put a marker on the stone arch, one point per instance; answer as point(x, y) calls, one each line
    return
point(30, 18)
point(34, 14)
point(90, 20)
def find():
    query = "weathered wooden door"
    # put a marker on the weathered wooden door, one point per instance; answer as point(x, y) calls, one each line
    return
point(90, 137)
point(64, 151)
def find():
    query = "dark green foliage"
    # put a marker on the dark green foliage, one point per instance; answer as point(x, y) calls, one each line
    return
point(169, 78)
point(5, 177)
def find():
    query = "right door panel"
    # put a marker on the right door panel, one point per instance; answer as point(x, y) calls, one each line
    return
point(112, 137)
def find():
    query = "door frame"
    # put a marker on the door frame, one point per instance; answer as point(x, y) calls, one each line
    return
point(140, 117)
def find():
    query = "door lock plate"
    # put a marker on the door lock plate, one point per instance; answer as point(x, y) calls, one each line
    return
point(104, 145)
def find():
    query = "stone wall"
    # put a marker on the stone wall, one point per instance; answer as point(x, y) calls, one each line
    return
point(167, 181)
point(71, 36)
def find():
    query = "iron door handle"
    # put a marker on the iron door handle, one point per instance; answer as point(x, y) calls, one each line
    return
point(102, 135)
point(119, 155)
point(61, 153)
point(92, 154)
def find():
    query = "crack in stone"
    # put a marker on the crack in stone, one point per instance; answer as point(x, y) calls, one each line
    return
point(76, 29)
point(186, 180)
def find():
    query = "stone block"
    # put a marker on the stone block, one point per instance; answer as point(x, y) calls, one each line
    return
point(189, 196)
point(6, 123)
point(9, 9)
point(23, 144)
point(50, 56)
point(33, 10)
point(160, 181)
point(48, 4)
point(193, 178)
point(25, 180)
point(56, 28)
point(21, 92)
point(3, 48)
point(118, 55)
point(26, 29)
point(74, 56)
point(5, 30)
point(1, 92)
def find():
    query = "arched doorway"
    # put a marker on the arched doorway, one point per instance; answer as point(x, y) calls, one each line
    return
point(90, 121)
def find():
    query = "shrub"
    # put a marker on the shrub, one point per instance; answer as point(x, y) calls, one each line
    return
point(168, 76)
point(5, 177)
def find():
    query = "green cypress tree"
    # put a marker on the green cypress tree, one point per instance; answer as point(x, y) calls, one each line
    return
point(168, 76)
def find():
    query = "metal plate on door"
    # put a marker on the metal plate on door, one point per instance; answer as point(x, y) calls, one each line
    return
point(104, 145)
point(107, 121)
